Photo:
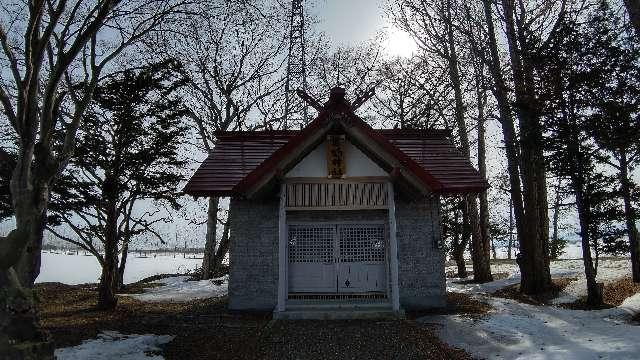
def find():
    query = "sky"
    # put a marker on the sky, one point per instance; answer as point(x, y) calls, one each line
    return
point(350, 22)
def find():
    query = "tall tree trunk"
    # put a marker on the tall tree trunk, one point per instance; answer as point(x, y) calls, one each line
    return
point(479, 248)
point(554, 249)
point(594, 292)
point(501, 93)
point(633, 8)
point(108, 281)
point(123, 263)
point(32, 216)
point(510, 246)
point(208, 260)
point(481, 263)
point(534, 247)
point(466, 240)
point(630, 217)
point(482, 168)
point(20, 337)
point(457, 248)
point(223, 249)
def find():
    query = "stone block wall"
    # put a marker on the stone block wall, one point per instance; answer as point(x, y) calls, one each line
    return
point(421, 275)
point(253, 276)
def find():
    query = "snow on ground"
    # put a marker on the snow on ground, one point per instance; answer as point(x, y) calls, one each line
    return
point(519, 331)
point(80, 269)
point(608, 270)
point(113, 345)
point(178, 289)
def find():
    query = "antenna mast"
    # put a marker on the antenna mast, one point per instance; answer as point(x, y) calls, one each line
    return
point(296, 66)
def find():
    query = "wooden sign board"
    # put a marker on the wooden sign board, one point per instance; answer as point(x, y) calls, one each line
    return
point(336, 162)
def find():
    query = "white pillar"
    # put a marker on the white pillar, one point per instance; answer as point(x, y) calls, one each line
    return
point(393, 249)
point(282, 249)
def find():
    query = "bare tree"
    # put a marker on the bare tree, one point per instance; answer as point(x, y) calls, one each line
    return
point(55, 53)
point(233, 52)
point(355, 68)
point(434, 27)
point(410, 95)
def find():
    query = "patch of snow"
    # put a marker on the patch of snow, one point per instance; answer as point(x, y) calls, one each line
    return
point(515, 330)
point(113, 345)
point(608, 270)
point(520, 331)
point(178, 289)
point(80, 269)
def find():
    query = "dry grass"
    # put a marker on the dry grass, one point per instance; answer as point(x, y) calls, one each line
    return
point(513, 292)
point(205, 329)
point(617, 291)
point(613, 295)
point(457, 303)
point(496, 276)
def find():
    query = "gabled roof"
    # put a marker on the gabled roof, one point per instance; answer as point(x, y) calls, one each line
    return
point(243, 162)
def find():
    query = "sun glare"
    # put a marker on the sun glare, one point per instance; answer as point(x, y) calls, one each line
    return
point(400, 43)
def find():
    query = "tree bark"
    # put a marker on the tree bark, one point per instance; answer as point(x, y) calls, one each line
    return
point(594, 292)
point(107, 299)
point(534, 246)
point(480, 251)
point(30, 199)
point(554, 249)
point(457, 248)
point(481, 262)
point(485, 242)
point(510, 245)
point(209, 258)
point(20, 336)
point(123, 264)
point(630, 217)
point(633, 8)
point(222, 250)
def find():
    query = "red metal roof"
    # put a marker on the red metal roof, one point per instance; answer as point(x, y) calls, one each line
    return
point(237, 154)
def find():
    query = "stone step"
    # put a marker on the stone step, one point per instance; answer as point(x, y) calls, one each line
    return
point(302, 305)
point(333, 313)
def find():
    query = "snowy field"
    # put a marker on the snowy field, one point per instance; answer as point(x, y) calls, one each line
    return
point(81, 269)
point(519, 331)
point(178, 289)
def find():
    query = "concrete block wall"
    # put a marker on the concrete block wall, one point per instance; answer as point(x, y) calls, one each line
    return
point(421, 275)
point(253, 276)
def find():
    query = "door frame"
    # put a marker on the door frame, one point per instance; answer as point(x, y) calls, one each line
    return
point(283, 260)
point(336, 250)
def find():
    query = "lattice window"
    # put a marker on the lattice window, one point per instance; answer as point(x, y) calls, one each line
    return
point(310, 244)
point(362, 243)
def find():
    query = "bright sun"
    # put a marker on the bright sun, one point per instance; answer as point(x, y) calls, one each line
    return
point(400, 43)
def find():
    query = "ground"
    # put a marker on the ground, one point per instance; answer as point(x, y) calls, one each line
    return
point(204, 329)
point(177, 319)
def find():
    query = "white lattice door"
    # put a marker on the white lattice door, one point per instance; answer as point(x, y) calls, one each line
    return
point(361, 260)
point(327, 258)
point(312, 266)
